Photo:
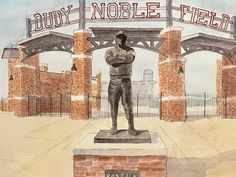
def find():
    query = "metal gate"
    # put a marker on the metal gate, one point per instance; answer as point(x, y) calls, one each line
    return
point(51, 105)
point(200, 105)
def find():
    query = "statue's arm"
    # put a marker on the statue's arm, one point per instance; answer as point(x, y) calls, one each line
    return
point(130, 56)
point(111, 59)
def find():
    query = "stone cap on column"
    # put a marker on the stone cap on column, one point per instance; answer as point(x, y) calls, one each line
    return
point(168, 60)
point(25, 66)
point(171, 29)
point(88, 147)
point(84, 31)
point(81, 56)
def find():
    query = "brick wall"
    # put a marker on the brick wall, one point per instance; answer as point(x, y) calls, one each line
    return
point(171, 83)
point(55, 89)
point(55, 83)
point(90, 166)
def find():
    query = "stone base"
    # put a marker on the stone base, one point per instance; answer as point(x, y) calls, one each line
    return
point(100, 159)
point(122, 136)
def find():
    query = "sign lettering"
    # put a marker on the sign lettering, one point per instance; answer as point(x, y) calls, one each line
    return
point(126, 10)
point(52, 19)
point(204, 17)
point(121, 173)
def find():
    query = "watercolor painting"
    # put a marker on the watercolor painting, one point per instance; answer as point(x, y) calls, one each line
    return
point(117, 88)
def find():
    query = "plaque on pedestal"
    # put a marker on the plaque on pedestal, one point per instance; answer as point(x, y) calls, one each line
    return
point(140, 159)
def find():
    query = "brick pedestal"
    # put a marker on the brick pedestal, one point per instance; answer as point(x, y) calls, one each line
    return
point(171, 74)
point(92, 159)
point(81, 78)
point(226, 84)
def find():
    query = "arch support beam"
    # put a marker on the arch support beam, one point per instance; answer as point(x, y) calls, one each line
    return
point(204, 42)
point(65, 46)
point(49, 41)
point(192, 48)
point(148, 43)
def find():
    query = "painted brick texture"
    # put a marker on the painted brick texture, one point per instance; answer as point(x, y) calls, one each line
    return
point(82, 77)
point(90, 166)
point(226, 84)
point(21, 108)
point(3, 106)
point(172, 80)
point(55, 83)
point(81, 109)
point(81, 43)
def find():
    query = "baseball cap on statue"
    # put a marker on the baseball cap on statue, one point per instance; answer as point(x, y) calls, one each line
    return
point(120, 33)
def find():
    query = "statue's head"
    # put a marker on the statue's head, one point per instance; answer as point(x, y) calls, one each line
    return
point(120, 38)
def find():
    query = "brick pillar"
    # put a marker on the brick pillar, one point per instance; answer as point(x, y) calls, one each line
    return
point(81, 105)
point(96, 89)
point(226, 84)
point(219, 89)
point(26, 85)
point(12, 84)
point(172, 76)
point(25, 82)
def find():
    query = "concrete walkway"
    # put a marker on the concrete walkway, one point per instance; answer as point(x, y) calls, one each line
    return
point(42, 146)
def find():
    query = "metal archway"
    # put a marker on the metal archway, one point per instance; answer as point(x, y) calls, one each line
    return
point(144, 38)
point(203, 42)
point(49, 41)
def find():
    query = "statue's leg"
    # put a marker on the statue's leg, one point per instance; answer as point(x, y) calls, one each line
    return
point(114, 94)
point(126, 89)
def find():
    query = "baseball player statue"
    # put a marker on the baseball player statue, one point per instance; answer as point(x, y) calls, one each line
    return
point(120, 59)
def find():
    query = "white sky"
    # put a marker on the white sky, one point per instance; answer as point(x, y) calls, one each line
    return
point(200, 66)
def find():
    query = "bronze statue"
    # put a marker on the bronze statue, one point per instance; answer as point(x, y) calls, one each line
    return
point(120, 59)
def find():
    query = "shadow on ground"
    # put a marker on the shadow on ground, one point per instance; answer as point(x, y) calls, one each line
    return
point(197, 167)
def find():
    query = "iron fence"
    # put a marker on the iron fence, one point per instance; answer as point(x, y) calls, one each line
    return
point(143, 106)
point(51, 105)
point(198, 105)
point(3, 104)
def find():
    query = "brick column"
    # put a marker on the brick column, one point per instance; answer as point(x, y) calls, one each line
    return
point(81, 105)
point(219, 89)
point(12, 84)
point(172, 76)
point(96, 91)
point(25, 81)
point(26, 85)
point(226, 84)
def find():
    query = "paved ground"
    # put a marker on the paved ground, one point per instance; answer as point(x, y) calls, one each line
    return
point(42, 146)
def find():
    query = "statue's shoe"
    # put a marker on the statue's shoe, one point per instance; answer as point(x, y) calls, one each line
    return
point(113, 131)
point(133, 132)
